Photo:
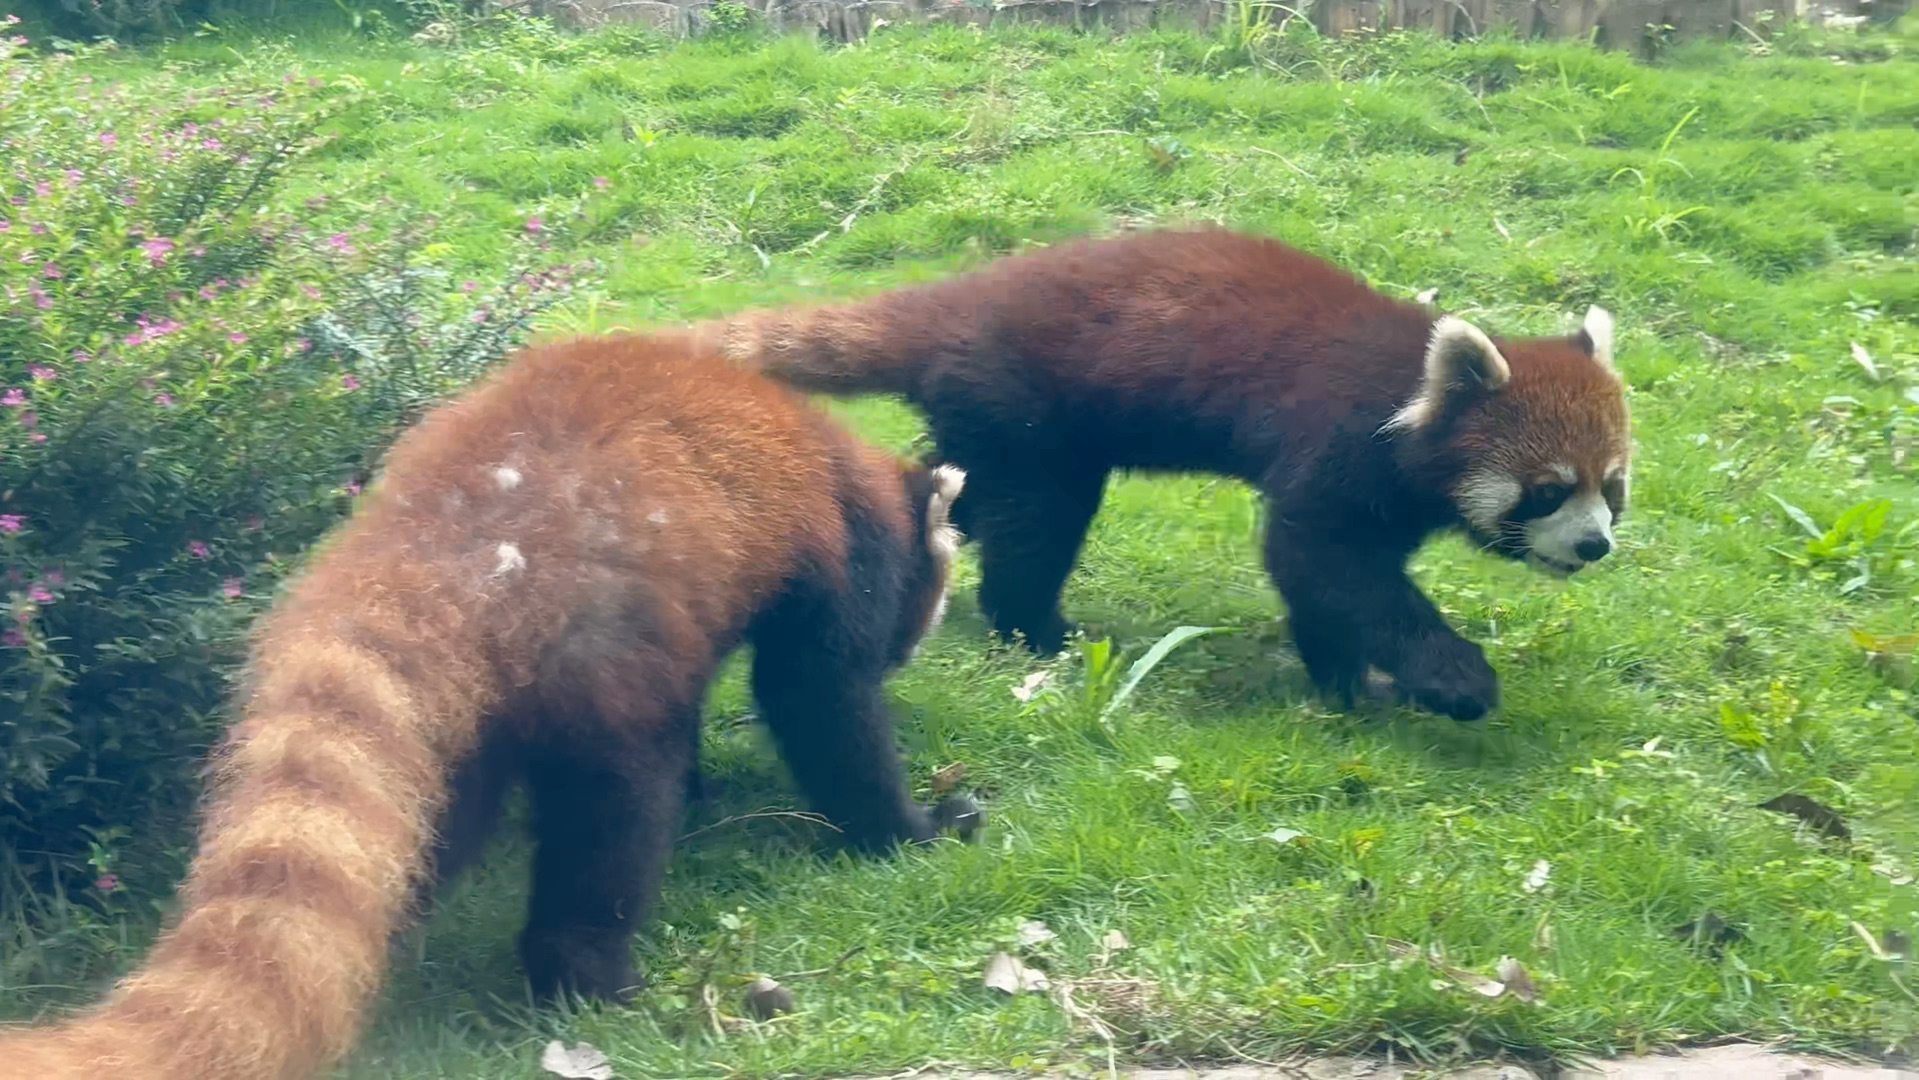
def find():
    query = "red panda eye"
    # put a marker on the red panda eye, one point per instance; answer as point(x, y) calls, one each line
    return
point(1547, 497)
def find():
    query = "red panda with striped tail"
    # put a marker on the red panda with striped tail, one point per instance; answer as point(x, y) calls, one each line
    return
point(1367, 423)
point(538, 589)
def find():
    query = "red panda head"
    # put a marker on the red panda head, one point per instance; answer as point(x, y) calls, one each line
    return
point(1529, 438)
point(932, 492)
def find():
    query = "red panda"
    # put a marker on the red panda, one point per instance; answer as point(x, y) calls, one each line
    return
point(1367, 423)
point(538, 589)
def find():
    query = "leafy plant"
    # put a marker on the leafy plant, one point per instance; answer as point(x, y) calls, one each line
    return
point(1852, 542)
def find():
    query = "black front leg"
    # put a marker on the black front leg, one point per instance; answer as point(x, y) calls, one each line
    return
point(1352, 606)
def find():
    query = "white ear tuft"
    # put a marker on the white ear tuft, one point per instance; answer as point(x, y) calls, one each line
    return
point(1459, 356)
point(1598, 330)
point(942, 539)
point(948, 480)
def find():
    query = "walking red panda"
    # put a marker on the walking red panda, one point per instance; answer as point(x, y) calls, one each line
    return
point(539, 588)
point(1367, 423)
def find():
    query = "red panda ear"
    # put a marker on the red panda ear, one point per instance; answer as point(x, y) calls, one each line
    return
point(1460, 359)
point(942, 539)
point(1595, 336)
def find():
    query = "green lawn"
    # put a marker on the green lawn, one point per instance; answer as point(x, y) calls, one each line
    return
point(1746, 217)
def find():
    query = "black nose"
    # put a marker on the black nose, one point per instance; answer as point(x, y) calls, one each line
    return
point(1593, 548)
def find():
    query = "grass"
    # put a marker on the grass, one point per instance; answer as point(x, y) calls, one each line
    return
point(1261, 852)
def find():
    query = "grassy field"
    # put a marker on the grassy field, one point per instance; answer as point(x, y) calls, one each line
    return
point(1747, 214)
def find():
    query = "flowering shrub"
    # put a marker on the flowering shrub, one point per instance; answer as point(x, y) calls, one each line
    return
point(194, 382)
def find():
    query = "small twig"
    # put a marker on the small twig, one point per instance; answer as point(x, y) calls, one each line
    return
point(803, 815)
point(1284, 160)
point(828, 969)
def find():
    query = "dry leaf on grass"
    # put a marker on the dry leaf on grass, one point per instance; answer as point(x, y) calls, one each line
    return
point(1542, 872)
point(1864, 359)
point(1518, 982)
point(1033, 932)
point(582, 1062)
point(1031, 685)
point(948, 777)
point(1007, 975)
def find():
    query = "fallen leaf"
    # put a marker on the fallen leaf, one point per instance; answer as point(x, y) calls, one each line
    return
point(1543, 937)
point(948, 777)
point(766, 998)
point(1864, 360)
point(582, 1062)
point(1031, 685)
point(1009, 976)
point(1033, 932)
point(1518, 983)
point(1179, 798)
point(1282, 835)
point(1814, 813)
point(1114, 941)
point(1536, 880)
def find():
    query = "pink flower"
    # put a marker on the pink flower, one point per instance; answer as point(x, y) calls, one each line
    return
point(231, 587)
point(74, 176)
point(40, 298)
point(13, 398)
point(39, 595)
point(12, 523)
point(158, 250)
point(600, 182)
point(312, 291)
point(42, 373)
point(82, 356)
point(163, 400)
point(198, 549)
point(108, 138)
point(5, 225)
point(340, 242)
point(43, 189)
point(52, 272)
point(534, 224)
point(237, 338)
point(13, 638)
point(37, 437)
point(352, 487)
point(29, 418)
point(107, 882)
point(349, 382)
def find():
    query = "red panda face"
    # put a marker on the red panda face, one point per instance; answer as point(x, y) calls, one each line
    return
point(1534, 439)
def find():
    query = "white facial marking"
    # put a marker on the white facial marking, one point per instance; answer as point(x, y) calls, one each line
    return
point(1599, 327)
point(1458, 355)
point(510, 559)
point(1565, 474)
point(507, 477)
point(1555, 538)
point(1485, 497)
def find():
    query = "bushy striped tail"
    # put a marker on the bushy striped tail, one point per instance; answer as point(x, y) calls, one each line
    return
point(315, 835)
point(866, 346)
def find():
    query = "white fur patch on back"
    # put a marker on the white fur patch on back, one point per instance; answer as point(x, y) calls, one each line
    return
point(1458, 355)
point(507, 477)
point(510, 559)
point(1599, 328)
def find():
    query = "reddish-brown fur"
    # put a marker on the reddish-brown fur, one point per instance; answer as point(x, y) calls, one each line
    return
point(661, 508)
point(1210, 350)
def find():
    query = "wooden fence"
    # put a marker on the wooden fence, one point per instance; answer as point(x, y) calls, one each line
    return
point(1626, 24)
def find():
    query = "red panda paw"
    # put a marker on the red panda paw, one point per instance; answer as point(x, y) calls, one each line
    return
point(960, 815)
point(1450, 676)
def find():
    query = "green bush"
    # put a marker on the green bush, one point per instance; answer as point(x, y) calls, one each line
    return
point(195, 380)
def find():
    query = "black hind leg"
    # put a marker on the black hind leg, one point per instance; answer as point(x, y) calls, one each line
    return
point(834, 733)
point(605, 818)
point(1029, 527)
